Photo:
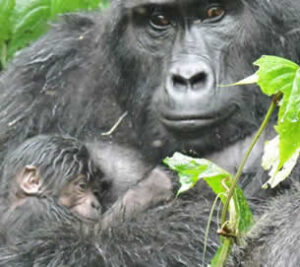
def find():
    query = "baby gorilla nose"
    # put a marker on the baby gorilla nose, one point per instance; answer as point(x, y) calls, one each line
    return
point(96, 205)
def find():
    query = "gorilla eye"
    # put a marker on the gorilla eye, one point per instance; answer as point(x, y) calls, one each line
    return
point(215, 12)
point(82, 186)
point(159, 22)
point(97, 193)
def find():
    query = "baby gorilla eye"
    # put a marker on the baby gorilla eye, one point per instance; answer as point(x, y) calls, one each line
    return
point(215, 12)
point(98, 195)
point(82, 186)
point(159, 21)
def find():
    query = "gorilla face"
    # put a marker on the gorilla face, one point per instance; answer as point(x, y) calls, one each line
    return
point(178, 53)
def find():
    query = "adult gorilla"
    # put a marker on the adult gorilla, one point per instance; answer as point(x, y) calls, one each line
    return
point(161, 61)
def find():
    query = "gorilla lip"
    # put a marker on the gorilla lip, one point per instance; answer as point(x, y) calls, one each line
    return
point(186, 123)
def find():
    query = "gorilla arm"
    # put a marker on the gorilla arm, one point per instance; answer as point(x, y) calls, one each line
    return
point(154, 189)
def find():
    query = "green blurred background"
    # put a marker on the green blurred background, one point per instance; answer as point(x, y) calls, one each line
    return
point(23, 21)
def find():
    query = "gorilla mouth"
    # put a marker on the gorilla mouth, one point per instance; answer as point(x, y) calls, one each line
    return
point(194, 122)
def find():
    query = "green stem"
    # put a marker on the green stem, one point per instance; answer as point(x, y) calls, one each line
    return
point(210, 217)
point(224, 252)
point(246, 156)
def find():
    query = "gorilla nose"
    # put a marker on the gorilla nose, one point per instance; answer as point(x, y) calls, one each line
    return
point(190, 76)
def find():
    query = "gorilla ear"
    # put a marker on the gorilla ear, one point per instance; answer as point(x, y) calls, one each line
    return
point(30, 182)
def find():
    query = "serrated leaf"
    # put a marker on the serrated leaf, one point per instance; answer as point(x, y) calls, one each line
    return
point(275, 74)
point(288, 126)
point(270, 162)
point(278, 75)
point(191, 170)
point(291, 102)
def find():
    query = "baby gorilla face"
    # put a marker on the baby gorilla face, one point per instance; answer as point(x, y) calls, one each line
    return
point(79, 196)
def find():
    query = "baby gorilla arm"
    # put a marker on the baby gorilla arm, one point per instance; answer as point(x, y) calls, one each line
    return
point(152, 190)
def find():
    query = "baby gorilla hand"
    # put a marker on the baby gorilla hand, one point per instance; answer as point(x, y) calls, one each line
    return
point(149, 192)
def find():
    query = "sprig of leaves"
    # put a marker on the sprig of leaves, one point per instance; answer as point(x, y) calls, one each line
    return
point(190, 171)
point(277, 75)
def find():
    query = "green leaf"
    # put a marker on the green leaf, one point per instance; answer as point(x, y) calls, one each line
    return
point(244, 214)
point(6, 8)
point(29, 21)
point(191, 170)
point(278, 75)
point(30, 18)
point(288, 126)
point(3, 55)
point(104, 4)
point(275, 74)
point(63, 6)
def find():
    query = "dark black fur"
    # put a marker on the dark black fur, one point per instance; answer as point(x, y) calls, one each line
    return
point(35, 213)
point(162, 237)
point(90, 69)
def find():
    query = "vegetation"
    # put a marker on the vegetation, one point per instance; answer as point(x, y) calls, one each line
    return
point(23, 21)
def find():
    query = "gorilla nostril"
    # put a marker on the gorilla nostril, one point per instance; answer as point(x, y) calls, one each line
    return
point(95, 205)
point(198, 79)
point(179, 81)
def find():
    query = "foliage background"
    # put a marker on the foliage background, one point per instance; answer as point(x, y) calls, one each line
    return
point(23, 21)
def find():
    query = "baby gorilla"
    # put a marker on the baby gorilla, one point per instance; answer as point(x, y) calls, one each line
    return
point(48, 177)
point(56, 179)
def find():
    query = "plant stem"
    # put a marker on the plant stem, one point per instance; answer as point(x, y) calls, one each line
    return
point(246, 156)
point(224, 252)
point(210, 217)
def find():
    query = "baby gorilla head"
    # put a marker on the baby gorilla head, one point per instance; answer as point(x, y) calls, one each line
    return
point(56, 167)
